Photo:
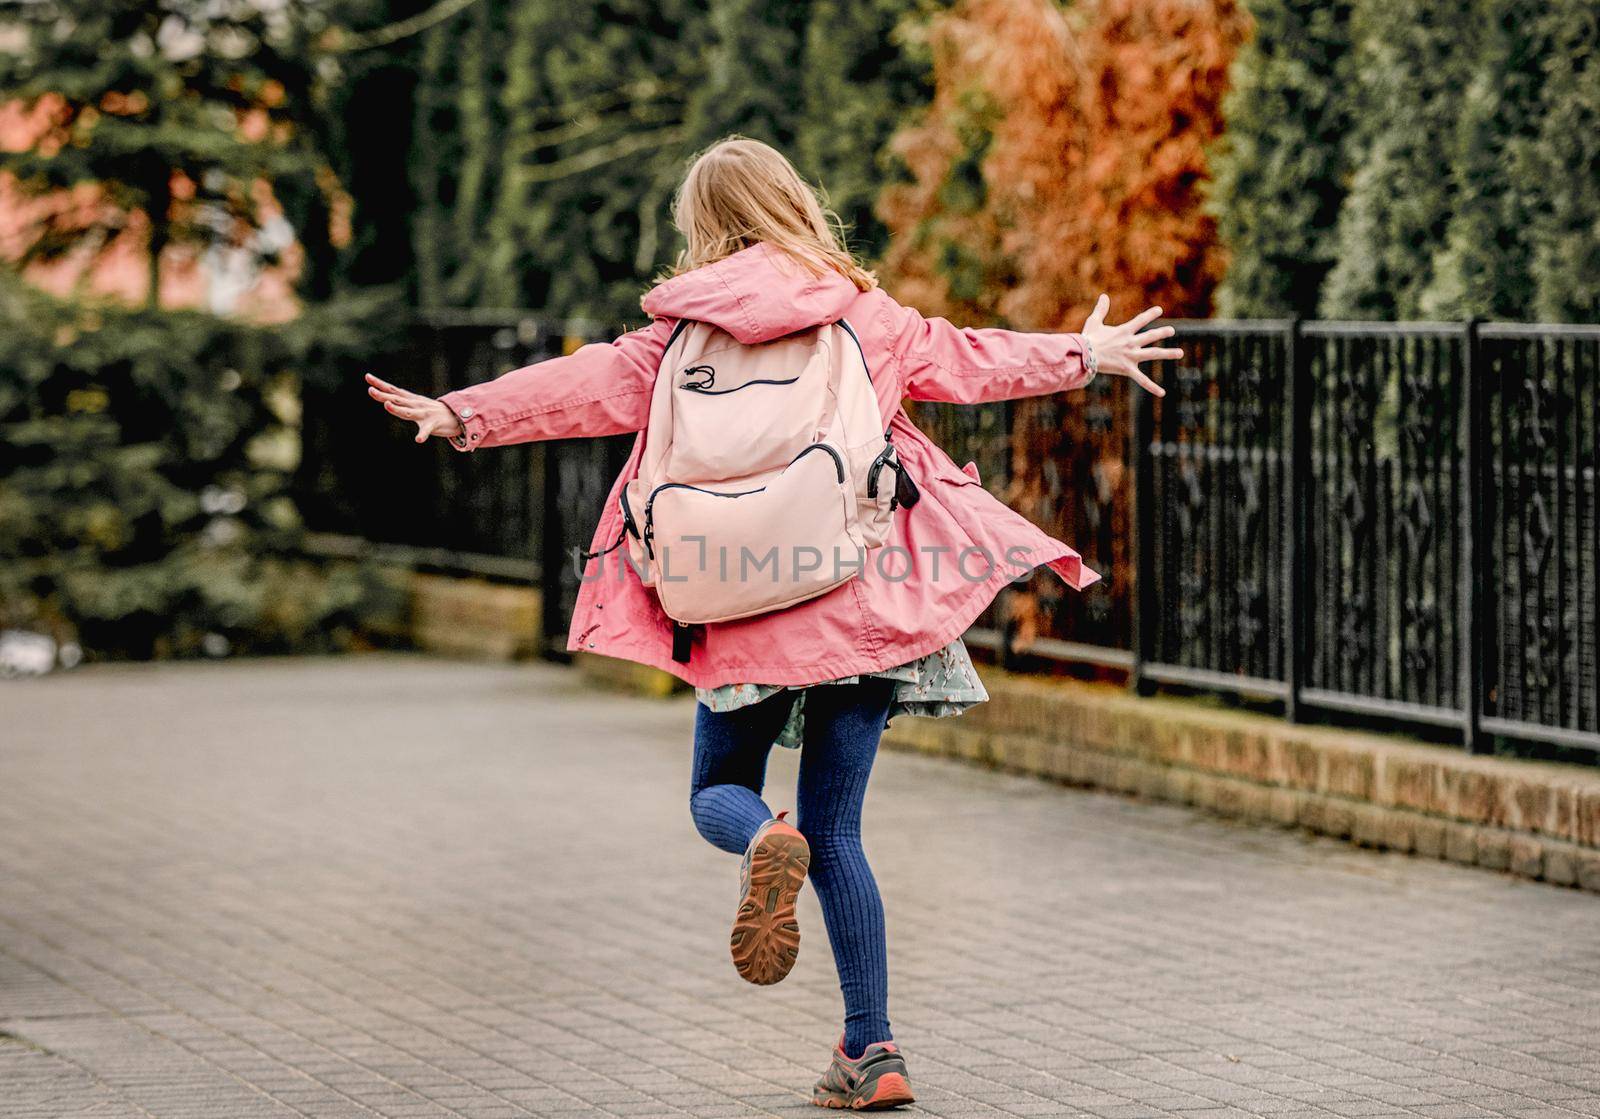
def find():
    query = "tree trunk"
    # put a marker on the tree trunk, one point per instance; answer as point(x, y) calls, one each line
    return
point(160, 195)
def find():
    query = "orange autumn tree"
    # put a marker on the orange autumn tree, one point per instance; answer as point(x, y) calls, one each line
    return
point(1063, 155)
point(1006, 73)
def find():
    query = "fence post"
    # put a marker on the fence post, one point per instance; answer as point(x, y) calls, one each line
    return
point(1297, 541)
point(1472, 527)
point(1145, 605)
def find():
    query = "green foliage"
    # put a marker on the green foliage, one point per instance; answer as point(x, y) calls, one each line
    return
point(754, 79)
point(545, 136)
point(1482, 266)
point(146, 454)
point(1403, 159)
point(1562, 154)
point(863, 75)
point(549, 136)
point(1279, 170)
point(145, 458)
point(1424, 91)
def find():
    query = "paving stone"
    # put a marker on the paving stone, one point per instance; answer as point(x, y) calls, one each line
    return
point(396, 886)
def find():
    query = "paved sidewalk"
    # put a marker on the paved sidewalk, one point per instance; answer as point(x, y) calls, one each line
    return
point(400, 887)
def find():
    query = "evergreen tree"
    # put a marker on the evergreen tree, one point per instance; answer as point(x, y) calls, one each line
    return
point(372, 109)
point(1409, 59)
point(146, 453)
point(457, 148)
point(864, 72)
point(1436, 223)
point(1408, 63)
point(596, 106)
point(1559, 162)
point(754, 82)
point(1483, 266)
point(549, 136)
point(1279, 169)
point(145, 462)
point(1452, 139)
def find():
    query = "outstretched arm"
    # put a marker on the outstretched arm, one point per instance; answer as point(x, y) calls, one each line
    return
point(962, 365)
point(599, 389)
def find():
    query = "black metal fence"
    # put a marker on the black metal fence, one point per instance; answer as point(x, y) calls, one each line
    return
point(1397, 522)
point(1386, 520)
point(501, 513)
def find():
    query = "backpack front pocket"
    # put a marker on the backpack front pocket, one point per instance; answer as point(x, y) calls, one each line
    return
point(717, 555)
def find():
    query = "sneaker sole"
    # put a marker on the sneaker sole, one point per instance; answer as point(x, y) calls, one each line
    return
point(889, 1090)
point(766, 937)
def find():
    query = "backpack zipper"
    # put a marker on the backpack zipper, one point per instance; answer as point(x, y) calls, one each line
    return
point(704, 388)
point(650, 502)
point(838, 460)
point(650, 508)
point(629, 525)
point(878, 464)
point(852, 332)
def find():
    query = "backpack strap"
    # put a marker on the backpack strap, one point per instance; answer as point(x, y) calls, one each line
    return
point(830, 407)
point(678, 328)
point(682, 641)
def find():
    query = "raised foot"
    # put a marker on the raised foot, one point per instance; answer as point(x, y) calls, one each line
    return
point(765, 941)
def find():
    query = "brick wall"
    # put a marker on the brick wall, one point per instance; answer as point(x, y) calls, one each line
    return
point(1535, 819)
point(474, 617)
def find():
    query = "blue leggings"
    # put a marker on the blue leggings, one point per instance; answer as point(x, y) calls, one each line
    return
point(842, 725)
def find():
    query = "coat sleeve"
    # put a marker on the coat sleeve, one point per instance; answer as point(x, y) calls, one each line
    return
point(962, 365)
point(600, 389)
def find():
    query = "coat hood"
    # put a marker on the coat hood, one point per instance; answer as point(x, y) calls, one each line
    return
point(756, 294)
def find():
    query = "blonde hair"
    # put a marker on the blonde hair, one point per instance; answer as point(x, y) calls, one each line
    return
point(740, 192)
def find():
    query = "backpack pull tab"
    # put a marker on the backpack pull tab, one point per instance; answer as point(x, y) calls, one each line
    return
point(682, 634)
point(906, 493)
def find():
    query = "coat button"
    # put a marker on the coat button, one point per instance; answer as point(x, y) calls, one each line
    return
point(467, 413)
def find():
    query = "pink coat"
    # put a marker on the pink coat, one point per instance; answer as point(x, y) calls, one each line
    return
point(947, 557)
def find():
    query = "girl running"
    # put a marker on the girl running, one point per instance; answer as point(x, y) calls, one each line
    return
point(763, 259)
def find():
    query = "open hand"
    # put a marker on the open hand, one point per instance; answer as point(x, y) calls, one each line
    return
point(1118, 350)
point(432, 417)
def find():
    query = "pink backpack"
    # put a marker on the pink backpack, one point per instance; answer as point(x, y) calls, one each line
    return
point(767, 474)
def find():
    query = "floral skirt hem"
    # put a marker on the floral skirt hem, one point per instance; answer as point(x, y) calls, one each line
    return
point(938, 685)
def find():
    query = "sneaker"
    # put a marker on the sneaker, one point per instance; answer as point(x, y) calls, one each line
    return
point(875, 1081)
point(766, 936)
